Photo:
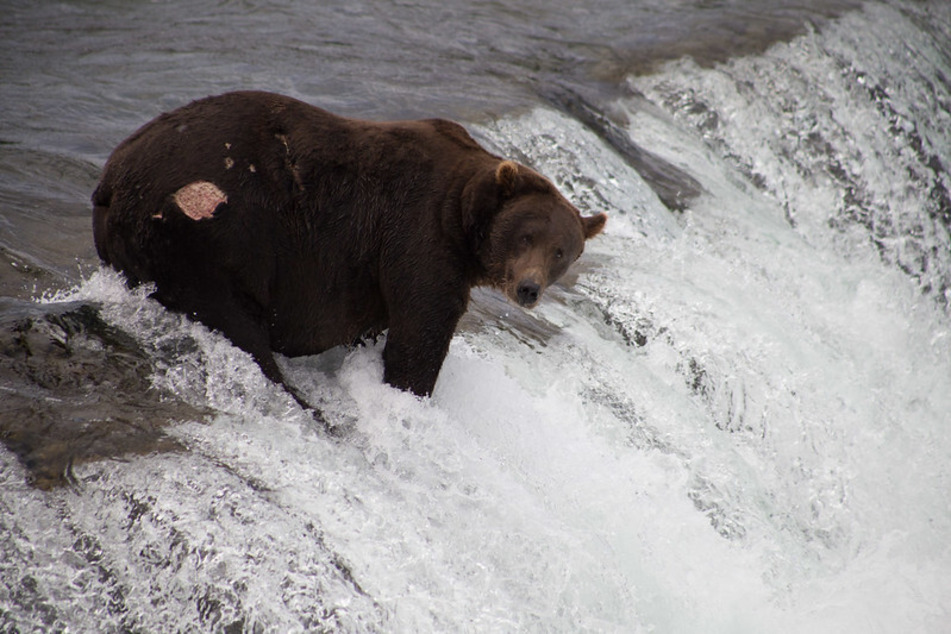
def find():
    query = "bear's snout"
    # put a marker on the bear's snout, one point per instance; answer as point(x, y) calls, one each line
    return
point(528, 292)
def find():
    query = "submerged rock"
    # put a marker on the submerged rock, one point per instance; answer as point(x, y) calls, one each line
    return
point(76, 389)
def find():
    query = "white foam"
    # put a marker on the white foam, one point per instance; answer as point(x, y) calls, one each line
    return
point(738, 426)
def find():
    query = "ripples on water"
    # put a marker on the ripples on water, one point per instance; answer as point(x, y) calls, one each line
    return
point(732, 417)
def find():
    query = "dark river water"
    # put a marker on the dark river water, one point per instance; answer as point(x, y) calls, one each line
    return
point(733, 416)
point(78, 77)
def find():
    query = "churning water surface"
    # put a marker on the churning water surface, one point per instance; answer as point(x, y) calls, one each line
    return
point(732, 417)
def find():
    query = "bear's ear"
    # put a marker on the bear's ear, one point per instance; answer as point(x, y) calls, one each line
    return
point(593, 225)
point(506, 177)
point(486, 193)
point(481, 199)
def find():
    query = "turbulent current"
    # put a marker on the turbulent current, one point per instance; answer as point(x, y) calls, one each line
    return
point(734, 415)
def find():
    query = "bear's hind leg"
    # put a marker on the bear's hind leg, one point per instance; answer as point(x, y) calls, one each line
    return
point(245, 328)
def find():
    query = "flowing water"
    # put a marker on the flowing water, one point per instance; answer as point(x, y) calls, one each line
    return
point(733, 416)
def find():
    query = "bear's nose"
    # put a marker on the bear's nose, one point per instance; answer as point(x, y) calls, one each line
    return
point(527, 292)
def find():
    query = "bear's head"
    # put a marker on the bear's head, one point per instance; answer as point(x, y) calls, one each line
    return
point(526, 234)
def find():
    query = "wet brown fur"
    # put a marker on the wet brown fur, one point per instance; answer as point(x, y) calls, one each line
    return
point(329, 228)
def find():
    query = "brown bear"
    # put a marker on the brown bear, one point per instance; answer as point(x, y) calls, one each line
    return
point(290, 229)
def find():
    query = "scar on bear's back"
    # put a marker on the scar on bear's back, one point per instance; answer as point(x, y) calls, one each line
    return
point(199, 200)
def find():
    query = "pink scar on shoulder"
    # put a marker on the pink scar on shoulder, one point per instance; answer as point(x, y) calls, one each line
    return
point(199, 199)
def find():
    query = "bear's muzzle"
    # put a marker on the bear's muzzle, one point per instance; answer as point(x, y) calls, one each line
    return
point(527, 293)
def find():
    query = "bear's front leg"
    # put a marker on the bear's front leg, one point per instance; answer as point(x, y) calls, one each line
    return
point(417, 344)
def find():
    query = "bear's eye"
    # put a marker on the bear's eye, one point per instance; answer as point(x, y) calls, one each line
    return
point(525, 240)
point(559, 254)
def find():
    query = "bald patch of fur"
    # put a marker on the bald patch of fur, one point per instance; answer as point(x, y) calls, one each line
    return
point(199, 200)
